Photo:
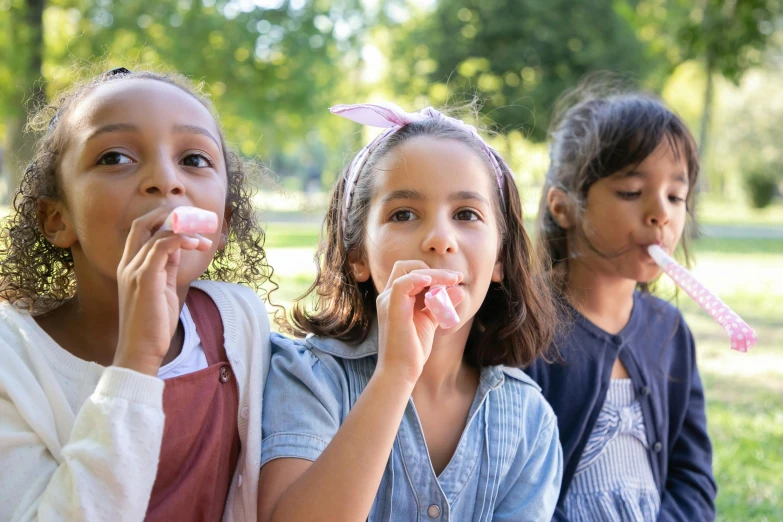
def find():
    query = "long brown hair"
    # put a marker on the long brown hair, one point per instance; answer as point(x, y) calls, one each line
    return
point(513, 326)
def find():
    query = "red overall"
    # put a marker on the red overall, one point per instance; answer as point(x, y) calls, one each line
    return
point(200, 446)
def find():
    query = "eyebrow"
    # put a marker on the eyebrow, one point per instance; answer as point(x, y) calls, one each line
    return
point(114, 127)
point(195, 129)
point(467, 194)
point(129, 127)
point(676, 176)
point(418, 196)
point(403, 194)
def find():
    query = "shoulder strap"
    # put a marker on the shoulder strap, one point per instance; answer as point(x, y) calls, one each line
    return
point(209, 324)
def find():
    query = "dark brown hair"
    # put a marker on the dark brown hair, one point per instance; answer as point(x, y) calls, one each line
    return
point(513, 326)
point(600, 129)
point(38, 276)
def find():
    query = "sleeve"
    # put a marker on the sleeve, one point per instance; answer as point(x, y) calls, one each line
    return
point(107, 466)
point(302, 403)
point(537, 476)
point(690, 489)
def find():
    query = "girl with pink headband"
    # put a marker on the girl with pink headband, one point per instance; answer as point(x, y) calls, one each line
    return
point(391, 405)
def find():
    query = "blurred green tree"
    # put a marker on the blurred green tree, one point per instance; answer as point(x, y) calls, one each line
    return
point(271, 66)
point(727, 36)
point(518, 56)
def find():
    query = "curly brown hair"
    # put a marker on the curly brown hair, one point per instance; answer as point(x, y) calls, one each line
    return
point(38, 276)
point(514, 324)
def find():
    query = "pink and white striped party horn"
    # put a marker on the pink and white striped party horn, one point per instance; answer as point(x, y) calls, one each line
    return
point(742, 336)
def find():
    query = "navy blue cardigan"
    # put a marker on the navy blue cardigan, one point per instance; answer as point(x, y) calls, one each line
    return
point(657, 349)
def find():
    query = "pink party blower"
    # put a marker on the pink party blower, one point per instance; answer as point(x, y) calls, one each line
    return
point(742, 336)
point(438, 302)
point(191, 220)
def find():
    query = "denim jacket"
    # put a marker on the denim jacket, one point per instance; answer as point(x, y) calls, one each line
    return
point(507, 466)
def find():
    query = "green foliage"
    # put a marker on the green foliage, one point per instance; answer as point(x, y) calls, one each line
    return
point(761, 186)
point(272, 67)
point(731, 35)
point(518, 56)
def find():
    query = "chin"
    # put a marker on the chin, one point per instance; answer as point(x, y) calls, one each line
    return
point(648, 275)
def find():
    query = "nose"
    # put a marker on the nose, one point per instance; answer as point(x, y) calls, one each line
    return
point(440, 237)
point(162, 178)
point(657, 213)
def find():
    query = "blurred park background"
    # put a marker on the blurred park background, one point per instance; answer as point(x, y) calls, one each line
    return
point(273, 67)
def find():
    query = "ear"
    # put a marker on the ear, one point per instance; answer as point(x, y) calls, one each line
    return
point(360, 269)
point(560, 204)
point(55, 223)
point(497, 272)
point(223, 240)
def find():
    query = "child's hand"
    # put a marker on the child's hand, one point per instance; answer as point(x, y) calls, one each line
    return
point(147, 285)
point(406, 328)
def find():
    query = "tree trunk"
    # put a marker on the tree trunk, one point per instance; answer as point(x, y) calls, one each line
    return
point(706, 118)
point(27, 35)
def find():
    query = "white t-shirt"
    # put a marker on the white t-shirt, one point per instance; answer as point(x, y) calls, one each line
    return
point(192, 357)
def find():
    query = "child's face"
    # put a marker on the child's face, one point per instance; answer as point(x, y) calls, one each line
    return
point(433, 201)
point(632, 209)
point(133, 146)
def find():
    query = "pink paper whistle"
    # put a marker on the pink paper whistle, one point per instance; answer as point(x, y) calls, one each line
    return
point(438, 302)
point(191, 220)
point(742, 336)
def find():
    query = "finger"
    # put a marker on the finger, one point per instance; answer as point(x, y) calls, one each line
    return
point(410, 285)
point(404, 294)
point(160, 254)
point(441, 276)
point(141, 231)
point(402, 268)
point(456, 294)
point(204, 243)
point(188, 242)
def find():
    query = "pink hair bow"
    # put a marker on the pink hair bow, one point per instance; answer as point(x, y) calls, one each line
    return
point(387, 115)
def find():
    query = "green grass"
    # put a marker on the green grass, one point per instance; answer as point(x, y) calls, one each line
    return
point(744, 391)
point(291, 235)
point(711, 211)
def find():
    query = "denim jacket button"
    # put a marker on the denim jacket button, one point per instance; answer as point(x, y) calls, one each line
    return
point(658, 447)
point(433, 511)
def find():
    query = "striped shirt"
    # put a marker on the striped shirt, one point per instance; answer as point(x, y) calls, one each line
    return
point(614, 481)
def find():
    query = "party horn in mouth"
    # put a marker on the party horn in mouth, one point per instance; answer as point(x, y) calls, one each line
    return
point(742, 336)
point(191, 220)
point(438, 302)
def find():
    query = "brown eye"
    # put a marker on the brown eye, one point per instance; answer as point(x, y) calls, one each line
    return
point(403, 215)
point(466, 215)
point(628, 195)
point(114, 158)
point(196, 160)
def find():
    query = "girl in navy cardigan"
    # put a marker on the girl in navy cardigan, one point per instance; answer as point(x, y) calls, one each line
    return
point(625, 389)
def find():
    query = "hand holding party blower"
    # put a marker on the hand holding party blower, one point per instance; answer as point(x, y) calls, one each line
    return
point(191, 220)
point(742, 336)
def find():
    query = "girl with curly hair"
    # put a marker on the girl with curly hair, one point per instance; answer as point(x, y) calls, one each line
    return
point(128, 388)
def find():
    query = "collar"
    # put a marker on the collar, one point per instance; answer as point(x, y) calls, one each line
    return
point(492, 376)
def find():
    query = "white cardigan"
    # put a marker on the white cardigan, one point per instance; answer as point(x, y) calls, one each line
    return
point(81, 442)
